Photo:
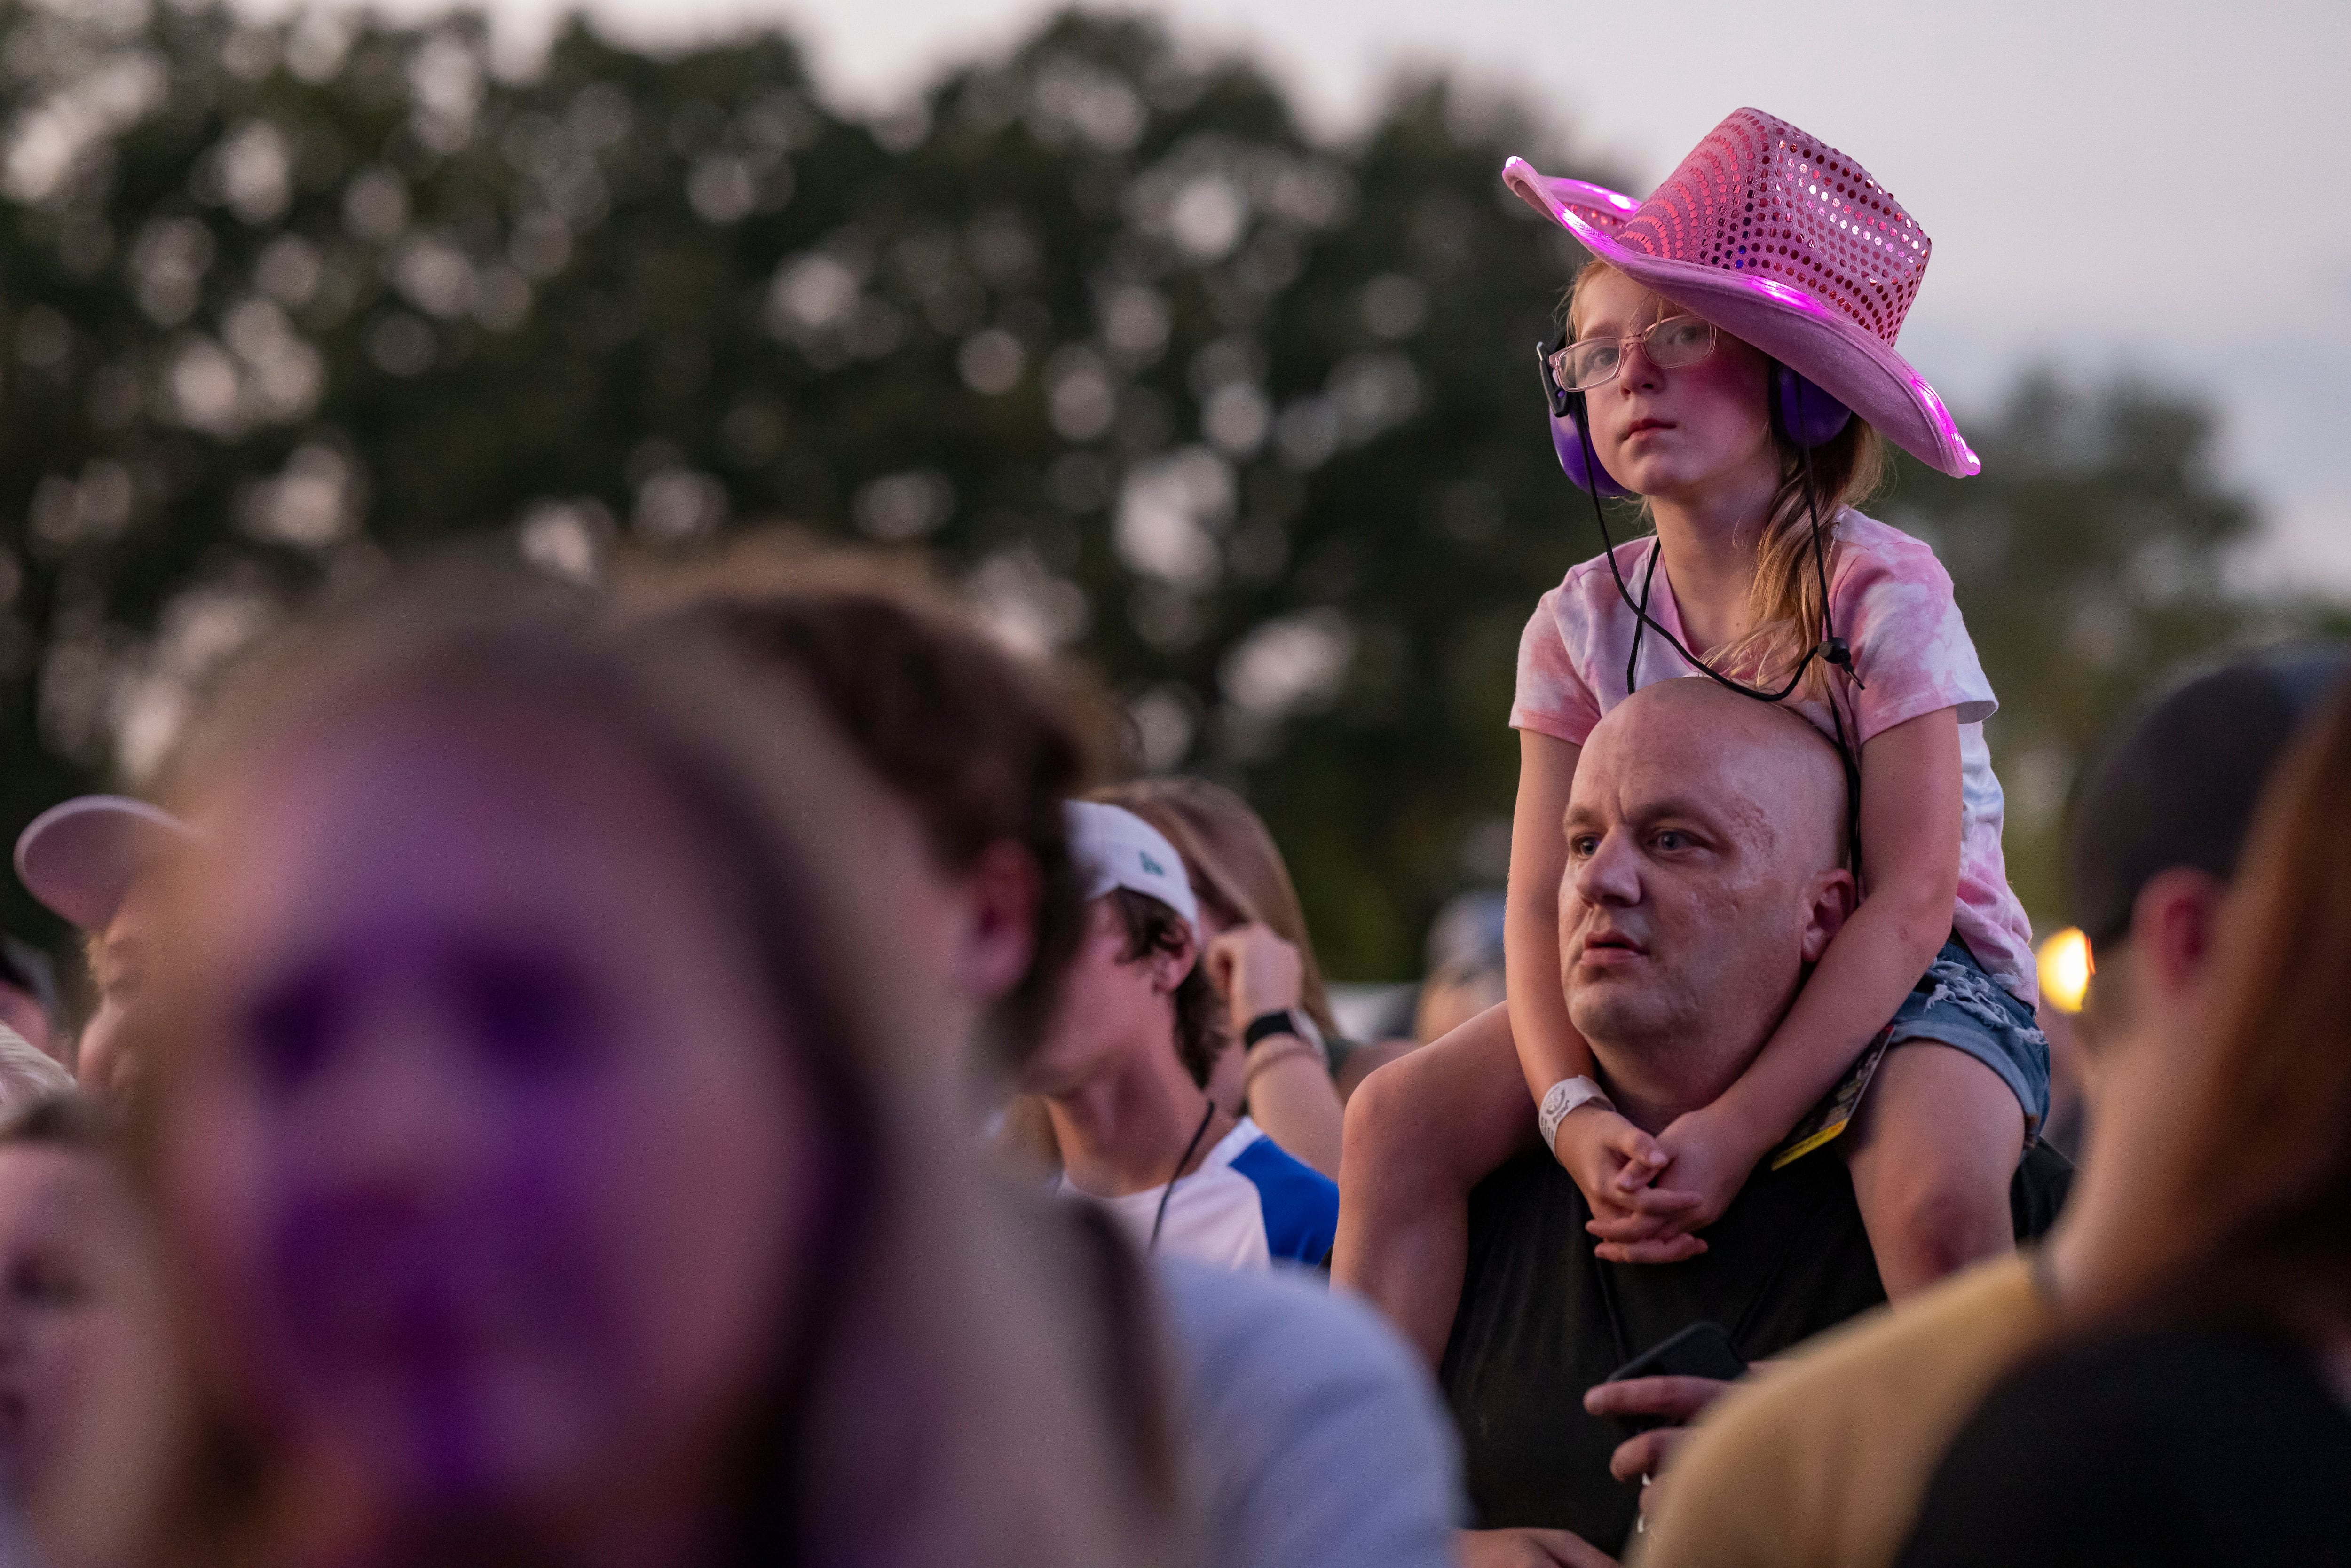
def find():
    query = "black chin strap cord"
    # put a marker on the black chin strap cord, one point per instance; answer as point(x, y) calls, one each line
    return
point(1831, 647)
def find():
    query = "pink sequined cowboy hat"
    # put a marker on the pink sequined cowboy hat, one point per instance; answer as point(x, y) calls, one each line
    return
point(1787, 243)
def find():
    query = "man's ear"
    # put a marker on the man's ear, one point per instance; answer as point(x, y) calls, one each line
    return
point(998, 934)
point(2174, 921)
point(1169, 965)
point(1832, 902)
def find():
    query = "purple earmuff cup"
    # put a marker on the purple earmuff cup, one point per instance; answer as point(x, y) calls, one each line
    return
point(1567, 441)
point(1807, 416)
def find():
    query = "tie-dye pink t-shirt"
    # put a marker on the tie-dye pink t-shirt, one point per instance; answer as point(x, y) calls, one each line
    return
point(1892, 602)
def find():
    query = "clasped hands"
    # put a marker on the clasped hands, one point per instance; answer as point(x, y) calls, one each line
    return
point(1649, 1195)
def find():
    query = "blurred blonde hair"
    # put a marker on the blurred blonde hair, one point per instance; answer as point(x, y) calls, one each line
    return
point(977, 1386)
point(1783, 604)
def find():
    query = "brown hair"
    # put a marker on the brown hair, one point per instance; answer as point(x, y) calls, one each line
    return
point(2208, 1227)
point(1153, 927)
point(1237, 870)
point(946, 1403)
point(1783, 603)
point(982, 742)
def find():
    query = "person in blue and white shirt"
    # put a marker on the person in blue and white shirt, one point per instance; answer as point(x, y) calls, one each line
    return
point(1123, 1067)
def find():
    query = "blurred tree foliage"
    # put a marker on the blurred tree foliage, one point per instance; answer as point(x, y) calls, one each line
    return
point(1248, 421)
point(2090, 557)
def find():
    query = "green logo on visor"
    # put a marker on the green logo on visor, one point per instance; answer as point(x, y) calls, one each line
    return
point(1153, 866)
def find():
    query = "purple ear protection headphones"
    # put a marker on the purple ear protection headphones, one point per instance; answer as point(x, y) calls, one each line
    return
point(1804, 416)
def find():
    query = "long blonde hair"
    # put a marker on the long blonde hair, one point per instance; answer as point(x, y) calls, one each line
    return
point(1783, 600)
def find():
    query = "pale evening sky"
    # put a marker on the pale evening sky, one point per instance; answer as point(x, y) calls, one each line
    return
point(2148, 184)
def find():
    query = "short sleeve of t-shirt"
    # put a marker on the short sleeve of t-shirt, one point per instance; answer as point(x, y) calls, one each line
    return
point(1299, 1205)
point(1893, 604)
point(1551, 696)
point(1248, 1206)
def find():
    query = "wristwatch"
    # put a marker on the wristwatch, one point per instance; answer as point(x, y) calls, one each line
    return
point(1563, 1097)
point(1281, 1020)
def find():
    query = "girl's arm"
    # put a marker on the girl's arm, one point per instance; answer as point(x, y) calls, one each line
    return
point(1910, 826)
point(1596, 1146)
point(1548, 1046)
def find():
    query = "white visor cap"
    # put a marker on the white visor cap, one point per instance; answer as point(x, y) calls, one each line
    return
point(80, 857)
point(1118, 849)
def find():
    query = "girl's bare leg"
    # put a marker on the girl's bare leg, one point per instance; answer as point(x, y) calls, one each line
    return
point(1421, 1132)
point(1931, 1156)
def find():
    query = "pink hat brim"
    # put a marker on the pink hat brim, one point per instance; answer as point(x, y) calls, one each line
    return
point(1840, 357)
point(80, 857)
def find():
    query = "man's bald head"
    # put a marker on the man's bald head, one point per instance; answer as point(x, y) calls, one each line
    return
point(1782, 772)
point(1705, 871)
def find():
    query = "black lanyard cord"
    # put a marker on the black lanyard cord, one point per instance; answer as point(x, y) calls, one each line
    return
point(1168, 1191)
point(1642, 617)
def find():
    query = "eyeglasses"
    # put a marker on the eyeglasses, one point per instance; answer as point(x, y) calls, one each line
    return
point(1669, 344)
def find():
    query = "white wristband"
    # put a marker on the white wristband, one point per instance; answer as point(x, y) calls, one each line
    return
point(1563, 1097)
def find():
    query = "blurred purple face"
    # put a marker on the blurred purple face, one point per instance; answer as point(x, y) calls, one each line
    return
point(492, 1159)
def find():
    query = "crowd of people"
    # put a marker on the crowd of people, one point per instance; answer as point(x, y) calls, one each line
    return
point(721, 1066)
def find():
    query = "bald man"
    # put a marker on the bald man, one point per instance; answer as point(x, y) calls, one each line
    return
point(1705, 877)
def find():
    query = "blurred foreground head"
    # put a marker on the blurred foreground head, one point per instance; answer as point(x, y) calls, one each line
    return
point(551, 1158)
point(2155, 834)
point(2204, 1227)
point(979, 742)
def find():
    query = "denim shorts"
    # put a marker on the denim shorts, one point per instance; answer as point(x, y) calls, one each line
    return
point(1956, 1003)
